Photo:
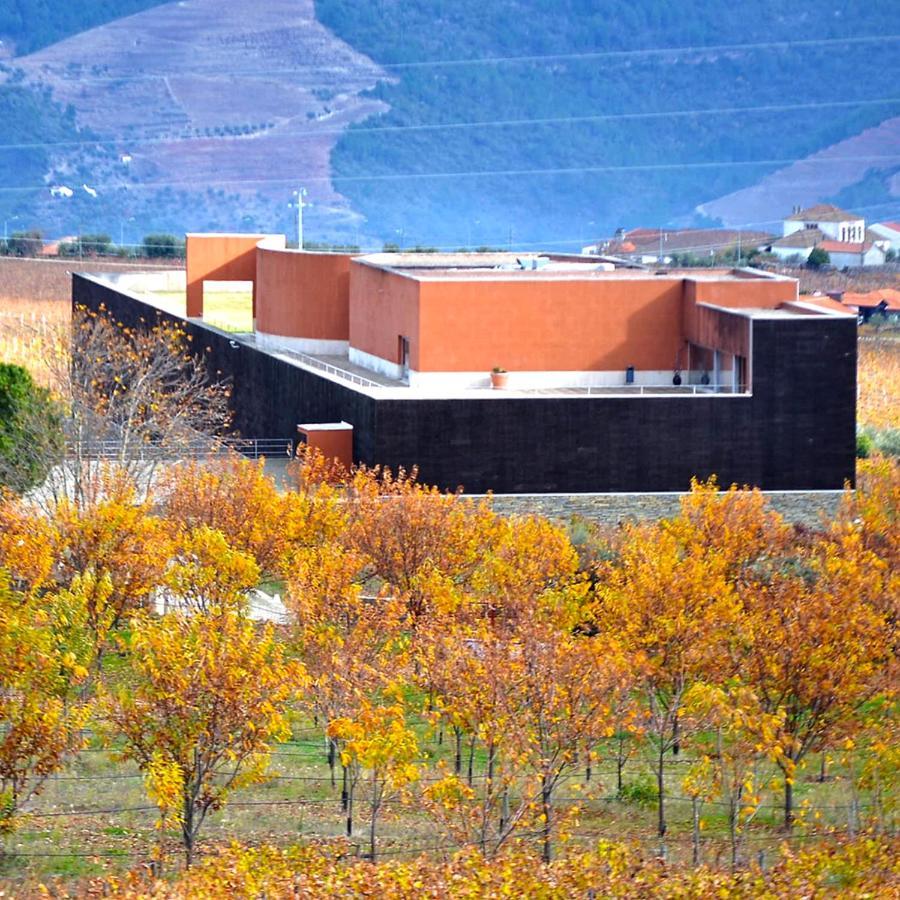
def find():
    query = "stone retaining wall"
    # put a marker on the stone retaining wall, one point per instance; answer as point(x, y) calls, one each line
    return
point(805, 507)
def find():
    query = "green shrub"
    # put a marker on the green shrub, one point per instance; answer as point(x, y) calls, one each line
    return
point(864, 445)
point(642, 791)
point(31, 436)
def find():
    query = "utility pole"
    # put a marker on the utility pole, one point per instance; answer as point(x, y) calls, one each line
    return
point(300, 195)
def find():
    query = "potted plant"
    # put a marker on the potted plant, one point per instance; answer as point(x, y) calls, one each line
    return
point(499, 377)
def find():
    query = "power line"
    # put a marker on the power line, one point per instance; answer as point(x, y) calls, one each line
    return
point(449, 126)
point(589, 55)
point(485, 173)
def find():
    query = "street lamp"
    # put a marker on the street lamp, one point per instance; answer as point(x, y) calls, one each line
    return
point(300, 203)
point(122, 229)
point(6, 229)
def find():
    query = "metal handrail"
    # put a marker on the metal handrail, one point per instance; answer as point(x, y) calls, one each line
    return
point(334, 370)
point(111, 448)
point(639, 389)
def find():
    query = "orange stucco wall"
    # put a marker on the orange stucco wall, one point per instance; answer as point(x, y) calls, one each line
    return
point(763, 293)
point(382, 307)
point(220, 257)
point(553, 325)
point(303, 294)
point(333, 444)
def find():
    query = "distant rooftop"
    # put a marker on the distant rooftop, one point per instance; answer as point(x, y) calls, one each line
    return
point(822, 212)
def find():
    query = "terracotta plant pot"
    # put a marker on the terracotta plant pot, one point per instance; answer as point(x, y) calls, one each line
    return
point(499, 380)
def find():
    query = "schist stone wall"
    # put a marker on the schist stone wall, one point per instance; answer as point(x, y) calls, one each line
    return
point(795, 432)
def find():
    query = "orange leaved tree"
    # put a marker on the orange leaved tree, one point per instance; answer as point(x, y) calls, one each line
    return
point(668, 605)
point(816, 644)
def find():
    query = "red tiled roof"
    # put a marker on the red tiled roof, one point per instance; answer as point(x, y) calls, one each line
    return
point(826, 302)
point(843, 247)
point(873, 298)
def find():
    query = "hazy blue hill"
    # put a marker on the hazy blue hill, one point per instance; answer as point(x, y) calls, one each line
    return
point(33, 24)
point(465, 208)
point(30, 120)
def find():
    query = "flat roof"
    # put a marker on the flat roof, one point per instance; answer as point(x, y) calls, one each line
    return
point(543, 267)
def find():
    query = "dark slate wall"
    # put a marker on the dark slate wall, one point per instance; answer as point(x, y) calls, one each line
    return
point(796, 432)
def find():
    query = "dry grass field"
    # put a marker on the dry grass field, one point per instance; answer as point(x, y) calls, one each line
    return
point(879, 380)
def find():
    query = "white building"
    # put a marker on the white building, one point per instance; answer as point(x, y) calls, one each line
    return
point(841, 234)
point(836, 224)
point(889, 231)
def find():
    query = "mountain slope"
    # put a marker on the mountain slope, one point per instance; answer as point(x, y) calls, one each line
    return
point(32, 24)
point(208, 112)
point(643, 164)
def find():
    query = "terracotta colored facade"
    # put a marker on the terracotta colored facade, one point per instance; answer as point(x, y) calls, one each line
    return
point(463, 314)
point(333, 440)
point(302, 294)
point(220, 257)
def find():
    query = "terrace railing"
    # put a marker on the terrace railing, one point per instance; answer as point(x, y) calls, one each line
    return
point(198, 448)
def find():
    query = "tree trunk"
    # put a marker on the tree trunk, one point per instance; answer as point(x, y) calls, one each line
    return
point(471, 759)
point(457, 762)
point(788, 804)
point(620, 765)
point(376, 805)
point(344, 794)
point(504, 811)
point(695, 833)
point(733, 813)
point(331, 761)
point(350, 811)
point(660, 786)
point(187, 831)
point(547, 854)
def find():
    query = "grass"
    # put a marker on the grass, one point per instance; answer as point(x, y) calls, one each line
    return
point(227, 310)
point(67, 840)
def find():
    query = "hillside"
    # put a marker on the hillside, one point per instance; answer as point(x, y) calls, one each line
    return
point(28, 25)
point(637, 90)
point(207, 112)
point(513, 121)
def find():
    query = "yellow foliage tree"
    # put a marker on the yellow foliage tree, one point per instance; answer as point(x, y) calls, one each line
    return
point(45, 654)
point(379, 740)
point(205, 703)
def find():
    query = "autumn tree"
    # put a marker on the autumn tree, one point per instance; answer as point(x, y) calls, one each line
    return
point(668, 607)
point(120, 542)
point(237, 498)
point(208, 576)
point(202, 708)
point(740, 737)
point(379, 741)
point(815, 645)
point(45, 655)
point(133, 396)
point(352, 646)
point(406, 531)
